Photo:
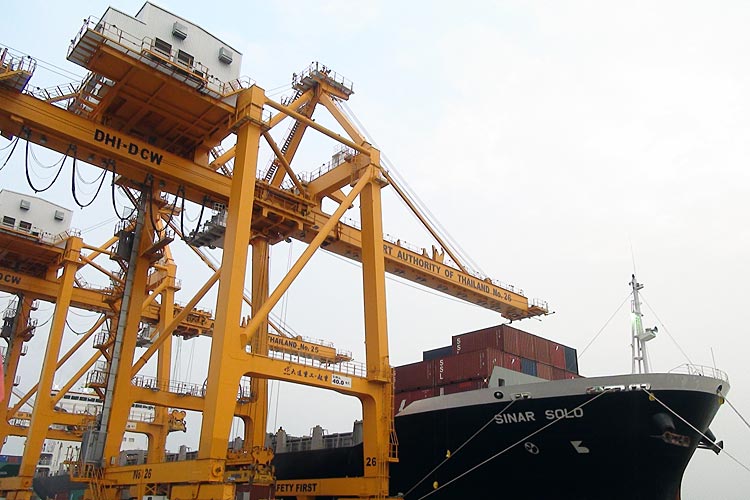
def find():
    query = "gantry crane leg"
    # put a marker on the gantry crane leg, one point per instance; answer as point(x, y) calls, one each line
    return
point(259, 387)
point(12, 358)
point(157, 443)
point(117, 409)
point(376, 411)
point(225, 365)
point(42, 417)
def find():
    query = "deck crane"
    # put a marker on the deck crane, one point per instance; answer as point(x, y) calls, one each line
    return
point(153, 115)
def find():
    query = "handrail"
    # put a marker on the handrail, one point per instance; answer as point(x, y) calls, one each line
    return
point(15, 62)
point(145, 45)
point(701, 371)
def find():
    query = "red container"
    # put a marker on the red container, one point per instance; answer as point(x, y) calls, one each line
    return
point(541, 348)
point(415, 376)
point(526, 345)
point(478, 340)
point(557, 355)
point(558, 374)
point(469, 385)
point(511, 362)
point(461, 367)
point(474, 365)
point(510, 339)
point(544, 371)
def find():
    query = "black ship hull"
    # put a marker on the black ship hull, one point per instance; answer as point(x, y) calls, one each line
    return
point(583, 439)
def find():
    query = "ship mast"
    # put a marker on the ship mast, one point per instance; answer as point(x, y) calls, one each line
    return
point(640, 336)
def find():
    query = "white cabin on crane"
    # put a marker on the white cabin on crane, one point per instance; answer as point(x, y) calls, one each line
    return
point(185, 44)
point(32, 215)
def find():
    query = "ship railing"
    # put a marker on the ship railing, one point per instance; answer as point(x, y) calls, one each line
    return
point(701, 371)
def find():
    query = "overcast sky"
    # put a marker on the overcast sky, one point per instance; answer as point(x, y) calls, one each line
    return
point(562, 144)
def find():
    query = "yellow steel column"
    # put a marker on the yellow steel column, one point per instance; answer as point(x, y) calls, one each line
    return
point(123, 351)
point(157, 444)
point(225, 365)
point(12, 359)
point(259, 406)
point(43, 414)
point(375, 410)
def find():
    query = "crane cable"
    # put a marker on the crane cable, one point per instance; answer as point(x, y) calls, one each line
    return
point(412, 194)
point(508, 448)
point(12, 145)
point(653, 397)
point(284, 310)
point(107, 164)
point(101, 176)
point(182, 218)
point(674, 341)
point(40, 164)
point(57, 175)
point(450, 454)
point(41, 63)
point(76, 332)
point(605, 325)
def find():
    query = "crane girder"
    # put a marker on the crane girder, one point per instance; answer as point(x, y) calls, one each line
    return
point(431, 272)
point(428, 270)
point(57, 129)
point(333, 180)
point(63, 128)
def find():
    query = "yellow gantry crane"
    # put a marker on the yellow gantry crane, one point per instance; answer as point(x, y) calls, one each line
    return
point(159, 120)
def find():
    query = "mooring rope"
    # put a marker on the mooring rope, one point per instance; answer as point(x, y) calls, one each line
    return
point(450, 455)
point(493, 457)
point(653, 396)
point(735, 410)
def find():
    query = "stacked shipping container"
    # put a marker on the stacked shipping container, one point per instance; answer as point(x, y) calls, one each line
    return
point(467, 364)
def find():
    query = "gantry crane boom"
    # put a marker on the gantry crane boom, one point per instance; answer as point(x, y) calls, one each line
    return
point(282, 207)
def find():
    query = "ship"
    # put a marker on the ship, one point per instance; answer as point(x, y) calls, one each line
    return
point(502, 429)
point(502, 411)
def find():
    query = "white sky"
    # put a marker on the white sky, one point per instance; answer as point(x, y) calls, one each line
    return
point(558, 142)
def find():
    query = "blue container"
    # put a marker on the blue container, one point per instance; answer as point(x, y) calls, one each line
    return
point(528, 366)
point(440, 352)
point(571, 360)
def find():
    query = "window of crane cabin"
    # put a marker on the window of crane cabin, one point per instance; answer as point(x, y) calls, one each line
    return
point(24, 226)
point(9, 221)
point(185, 58)
point(162, 46)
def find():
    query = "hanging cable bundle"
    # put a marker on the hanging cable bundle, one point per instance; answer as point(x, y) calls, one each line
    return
point(107, 164)
point(182, 219)
point(39, 163)
point(12, 145)
point(71, 147)
point(102, 176)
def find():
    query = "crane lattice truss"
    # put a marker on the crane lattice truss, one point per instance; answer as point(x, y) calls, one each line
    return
point(161, 132)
